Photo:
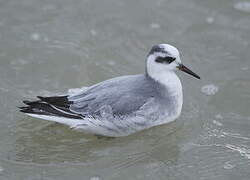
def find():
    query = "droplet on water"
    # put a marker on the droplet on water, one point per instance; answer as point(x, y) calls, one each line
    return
point(3, 89)
point(35, 36)
point(93, 32)
point(95, 178)
point(244, 68)
point(111, 63)
point(219, 116)
point(227, 165)
point(209, 89)
point(1, 169)
point(242, 6)
point(155, 26)
point(210, 20)
point(217, 123)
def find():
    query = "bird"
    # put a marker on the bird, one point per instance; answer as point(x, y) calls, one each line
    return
point(122, 105)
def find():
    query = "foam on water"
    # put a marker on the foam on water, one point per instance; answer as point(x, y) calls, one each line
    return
point(243, 151)
point(209, 89)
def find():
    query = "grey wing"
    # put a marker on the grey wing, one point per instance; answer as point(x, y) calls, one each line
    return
point(124, 95)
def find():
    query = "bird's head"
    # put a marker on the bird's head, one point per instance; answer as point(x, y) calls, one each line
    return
point(163, 58)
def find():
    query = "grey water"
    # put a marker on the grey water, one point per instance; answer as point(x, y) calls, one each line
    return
point(50, 46)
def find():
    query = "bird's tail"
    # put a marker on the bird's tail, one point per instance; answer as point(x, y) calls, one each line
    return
point(52, 109)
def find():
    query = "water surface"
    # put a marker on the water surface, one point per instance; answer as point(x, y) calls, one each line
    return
point(49, 46)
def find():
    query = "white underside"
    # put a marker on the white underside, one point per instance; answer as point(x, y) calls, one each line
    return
point(87, 125)
point(108, 127)
point(70, 122)
point(80, 125)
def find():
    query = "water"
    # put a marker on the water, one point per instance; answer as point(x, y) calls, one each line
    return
point(50, 46)
point(209, 89)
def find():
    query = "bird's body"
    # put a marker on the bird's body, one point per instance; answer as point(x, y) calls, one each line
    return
point(118, 106)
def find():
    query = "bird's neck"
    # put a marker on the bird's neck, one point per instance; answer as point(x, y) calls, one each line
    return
point(169, 80)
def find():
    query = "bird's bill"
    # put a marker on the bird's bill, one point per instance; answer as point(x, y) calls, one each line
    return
point(186, 70)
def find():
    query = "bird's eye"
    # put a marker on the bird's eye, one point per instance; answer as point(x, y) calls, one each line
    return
point(166, 59)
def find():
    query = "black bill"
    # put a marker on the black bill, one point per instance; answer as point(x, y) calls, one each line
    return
point(186, 70)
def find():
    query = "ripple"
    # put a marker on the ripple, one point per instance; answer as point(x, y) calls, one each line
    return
point(243, 151)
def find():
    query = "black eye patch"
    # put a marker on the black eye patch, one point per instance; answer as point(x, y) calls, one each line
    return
point(165, 59)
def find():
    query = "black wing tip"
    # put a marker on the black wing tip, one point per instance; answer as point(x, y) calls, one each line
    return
point(61, 101)
point(26, 109)
point(49, 106)
point(27, 102)
point(41, 98)
point(30, 107)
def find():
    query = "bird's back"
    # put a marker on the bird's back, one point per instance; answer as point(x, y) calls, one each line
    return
point(124, 95)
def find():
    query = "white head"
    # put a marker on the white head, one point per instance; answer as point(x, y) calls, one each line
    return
point(164, 58)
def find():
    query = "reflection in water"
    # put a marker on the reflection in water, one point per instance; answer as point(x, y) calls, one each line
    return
point(43, 142)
